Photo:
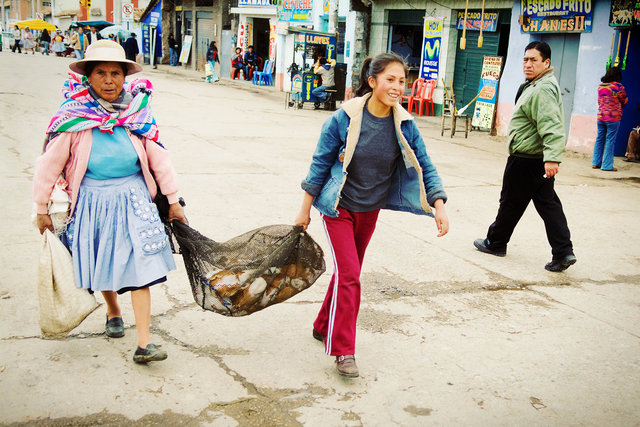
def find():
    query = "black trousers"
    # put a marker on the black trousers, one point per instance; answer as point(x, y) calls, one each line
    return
point(523, 181)
point(16, 45)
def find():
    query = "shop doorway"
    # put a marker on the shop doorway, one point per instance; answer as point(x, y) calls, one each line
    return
point(564, 60)
point(261, 32)
point(468, 66)
point(204, 35)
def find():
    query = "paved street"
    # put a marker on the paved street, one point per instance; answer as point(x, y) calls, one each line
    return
point(446, 335)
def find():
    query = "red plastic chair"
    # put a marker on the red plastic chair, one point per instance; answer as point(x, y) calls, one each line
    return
point(415, 89)
point(426, 96)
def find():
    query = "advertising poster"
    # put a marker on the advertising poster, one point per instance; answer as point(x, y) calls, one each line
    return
point(544, 16)
point(430, 61)
point(186, 48)
point(486, 104)
point(272, 42)
point(622, 13)
point(244, 35)
point(295, 10)
point(474, 21)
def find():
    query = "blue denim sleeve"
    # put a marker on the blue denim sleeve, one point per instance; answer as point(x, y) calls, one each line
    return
point(432, 182)
point(325, 156)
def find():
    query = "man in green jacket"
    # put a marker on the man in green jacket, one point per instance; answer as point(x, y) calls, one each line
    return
point(536, 145)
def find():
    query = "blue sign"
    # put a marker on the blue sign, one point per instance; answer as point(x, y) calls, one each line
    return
point(544, 16)
point(253, 3)
point(295, 10)
point(430, 63)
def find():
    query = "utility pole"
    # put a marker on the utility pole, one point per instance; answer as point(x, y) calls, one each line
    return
point(333, 16)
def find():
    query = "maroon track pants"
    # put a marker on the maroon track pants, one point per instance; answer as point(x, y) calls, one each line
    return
point(348, 234)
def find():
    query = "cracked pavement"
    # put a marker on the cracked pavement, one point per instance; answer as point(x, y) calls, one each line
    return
point(446, 335)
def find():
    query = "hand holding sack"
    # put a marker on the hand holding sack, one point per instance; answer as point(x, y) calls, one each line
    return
point(63, 306)
point(249, 272)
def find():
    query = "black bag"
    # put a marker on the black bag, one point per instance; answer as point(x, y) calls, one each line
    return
point(249, 272)
point(162, 203)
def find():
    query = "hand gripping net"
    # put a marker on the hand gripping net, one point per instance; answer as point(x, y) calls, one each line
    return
point(249, 272)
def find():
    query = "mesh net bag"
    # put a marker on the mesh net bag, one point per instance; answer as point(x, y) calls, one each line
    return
point(249, 272)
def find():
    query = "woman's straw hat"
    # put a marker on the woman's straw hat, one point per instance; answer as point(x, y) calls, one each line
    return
point(104, 51)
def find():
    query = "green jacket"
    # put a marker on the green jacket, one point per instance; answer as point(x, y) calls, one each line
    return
point(536, 129)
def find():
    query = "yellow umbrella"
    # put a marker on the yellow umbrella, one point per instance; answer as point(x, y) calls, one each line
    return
point(36, 24)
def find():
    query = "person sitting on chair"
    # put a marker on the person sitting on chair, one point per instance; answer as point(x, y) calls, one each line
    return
point(326, 70)
point(633, 146)
point(251, 62)
point(237, 63)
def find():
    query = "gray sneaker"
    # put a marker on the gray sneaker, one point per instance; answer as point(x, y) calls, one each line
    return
point(114, 327)
point(149, 354)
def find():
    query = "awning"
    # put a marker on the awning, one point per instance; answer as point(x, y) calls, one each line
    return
point(36, 24)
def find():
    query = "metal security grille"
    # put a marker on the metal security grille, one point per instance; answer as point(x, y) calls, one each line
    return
point(204, 35)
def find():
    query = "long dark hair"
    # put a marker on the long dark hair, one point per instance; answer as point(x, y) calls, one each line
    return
point(613, 74)
point(371, 67)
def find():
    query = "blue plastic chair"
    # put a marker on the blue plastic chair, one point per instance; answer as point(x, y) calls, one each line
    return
point(265, 76)
point(256, 73)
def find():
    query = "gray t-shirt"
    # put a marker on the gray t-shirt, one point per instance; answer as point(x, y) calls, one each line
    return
point(372, 166)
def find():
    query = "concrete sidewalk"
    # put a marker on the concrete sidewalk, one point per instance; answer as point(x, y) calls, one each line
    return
point(446, 335)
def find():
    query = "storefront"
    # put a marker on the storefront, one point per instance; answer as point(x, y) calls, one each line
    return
point(256, 18)
point(151, 23)
point(197, 24)
point(580, 38)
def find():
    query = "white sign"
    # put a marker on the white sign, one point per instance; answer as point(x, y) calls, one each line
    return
point(186, 47)
point(127, 12)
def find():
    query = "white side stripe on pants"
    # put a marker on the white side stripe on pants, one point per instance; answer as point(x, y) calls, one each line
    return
point(334, 295)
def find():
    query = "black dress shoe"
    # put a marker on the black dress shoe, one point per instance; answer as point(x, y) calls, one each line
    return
point(115, 327)
point(317, 335)
point(316, 105)
point(561, 264)
point(482, 246)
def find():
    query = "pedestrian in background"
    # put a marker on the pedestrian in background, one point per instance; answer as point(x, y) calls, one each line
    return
point(45, 40)
point(173, 50)
point(370, 156)
point(611, 98)
point(536, 144)
point(58, 46)
point(28, 41)
point(93, 36)
point(79, 42)
point(114, 168)
point(212, 58)
point(131, 47)
point(633, 146)
point(17, 39)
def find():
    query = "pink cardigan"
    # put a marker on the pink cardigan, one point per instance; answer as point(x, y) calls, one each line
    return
point(70, 151)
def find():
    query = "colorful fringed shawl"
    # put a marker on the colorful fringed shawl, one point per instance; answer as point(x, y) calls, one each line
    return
point(81, 110)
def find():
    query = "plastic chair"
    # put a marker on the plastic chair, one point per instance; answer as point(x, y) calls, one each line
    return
point(256, 74)
point(265, 76)
point(425, 97)
point(415, 90)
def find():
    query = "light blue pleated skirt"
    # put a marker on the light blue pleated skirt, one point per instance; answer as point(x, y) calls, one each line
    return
point(115, 236)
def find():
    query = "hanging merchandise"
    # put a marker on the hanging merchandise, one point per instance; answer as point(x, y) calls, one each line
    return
point(249, 272)
point(624, 61)
point(617, 61)
point(463, 39)
point(481, 25)
point(613, 40)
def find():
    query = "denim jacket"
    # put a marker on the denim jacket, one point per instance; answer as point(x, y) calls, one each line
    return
point(415, 185)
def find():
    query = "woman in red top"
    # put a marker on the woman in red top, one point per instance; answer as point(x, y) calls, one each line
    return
point(611, 98)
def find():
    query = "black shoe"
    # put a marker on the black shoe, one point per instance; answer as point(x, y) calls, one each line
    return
point(115, 327)
point(482, 246)
point(316, 105)
point(150, 354)
point(317, 335)
point(561, 264)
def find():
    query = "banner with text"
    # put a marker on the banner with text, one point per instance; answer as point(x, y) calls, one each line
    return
point(430, 61)
point(295, 10)
point(556, 16)
point(474, 21)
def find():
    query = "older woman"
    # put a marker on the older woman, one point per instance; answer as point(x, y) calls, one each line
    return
point(105, 140)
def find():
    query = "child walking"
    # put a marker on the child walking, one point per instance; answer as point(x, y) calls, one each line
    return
point(370, 156)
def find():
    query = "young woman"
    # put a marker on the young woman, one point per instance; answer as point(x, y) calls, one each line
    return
point(212, 58)
point(370, 156)
point(611, 98)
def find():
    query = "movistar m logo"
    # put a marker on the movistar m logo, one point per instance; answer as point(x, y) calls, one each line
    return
point(432, 51)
